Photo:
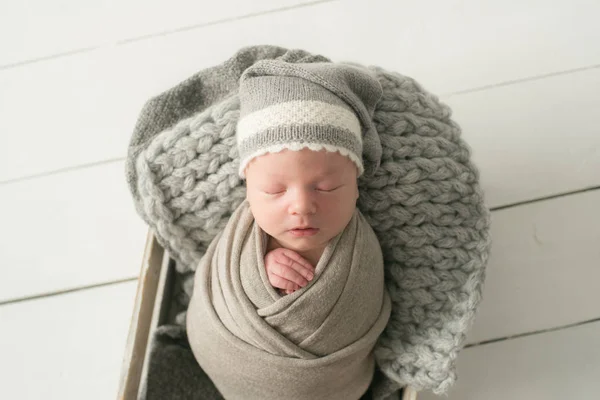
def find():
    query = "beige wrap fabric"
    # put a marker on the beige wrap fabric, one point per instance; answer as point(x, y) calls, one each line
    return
point(313, 344)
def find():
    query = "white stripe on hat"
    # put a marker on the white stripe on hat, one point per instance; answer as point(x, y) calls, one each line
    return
point(296, 146)
point(296, 113)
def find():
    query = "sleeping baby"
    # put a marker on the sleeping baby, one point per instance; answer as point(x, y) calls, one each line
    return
point(289, 299)
point(301, 200)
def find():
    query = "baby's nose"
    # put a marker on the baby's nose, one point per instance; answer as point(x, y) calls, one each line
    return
point(303, 203)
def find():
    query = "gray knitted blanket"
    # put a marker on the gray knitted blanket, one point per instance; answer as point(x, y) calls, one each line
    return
point(424, 204)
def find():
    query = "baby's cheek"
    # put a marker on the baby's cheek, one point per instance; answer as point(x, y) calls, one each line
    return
point(338, 208)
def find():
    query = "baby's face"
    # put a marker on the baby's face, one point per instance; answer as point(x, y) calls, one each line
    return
point(297, 189)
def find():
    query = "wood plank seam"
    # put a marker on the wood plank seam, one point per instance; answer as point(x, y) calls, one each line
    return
point(521, 80)
point(537, 332)
point(545, 198)
point(62, 170)
point(66, 291)
point(158, 34)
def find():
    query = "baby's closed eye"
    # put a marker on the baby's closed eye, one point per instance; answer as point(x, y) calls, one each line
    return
point(329, 188)
point(273, 192)
point(323, 188)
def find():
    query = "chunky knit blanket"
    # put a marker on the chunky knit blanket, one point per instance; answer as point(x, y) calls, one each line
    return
point(424, 203)
point(316, 343)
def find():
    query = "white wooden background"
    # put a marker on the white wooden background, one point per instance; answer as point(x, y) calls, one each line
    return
point(523, 79)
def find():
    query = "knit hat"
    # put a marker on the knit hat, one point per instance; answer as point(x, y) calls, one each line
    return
point(320, 106)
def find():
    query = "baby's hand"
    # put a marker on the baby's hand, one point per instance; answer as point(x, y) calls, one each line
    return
point(287, 270)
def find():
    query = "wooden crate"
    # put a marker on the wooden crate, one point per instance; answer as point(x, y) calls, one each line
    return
point(152, 306)
point(139, 331)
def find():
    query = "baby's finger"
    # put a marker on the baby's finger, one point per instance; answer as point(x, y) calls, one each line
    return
point(299, 264)
point(281, 283)
point(297, 258)
point(289, 273)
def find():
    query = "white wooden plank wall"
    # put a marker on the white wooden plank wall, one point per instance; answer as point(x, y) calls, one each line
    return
point(523, 79)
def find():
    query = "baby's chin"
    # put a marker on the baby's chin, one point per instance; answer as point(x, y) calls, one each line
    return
point(301, 244)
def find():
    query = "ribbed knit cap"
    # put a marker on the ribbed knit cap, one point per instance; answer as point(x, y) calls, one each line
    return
point(320, 106)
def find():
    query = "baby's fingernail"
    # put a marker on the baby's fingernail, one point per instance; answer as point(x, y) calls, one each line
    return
point(310, 276)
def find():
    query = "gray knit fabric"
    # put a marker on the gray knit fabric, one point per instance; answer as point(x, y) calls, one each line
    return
point(315, 105)
point(424, 203)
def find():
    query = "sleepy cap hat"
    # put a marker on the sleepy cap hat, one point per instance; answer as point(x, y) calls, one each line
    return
point(320, 106)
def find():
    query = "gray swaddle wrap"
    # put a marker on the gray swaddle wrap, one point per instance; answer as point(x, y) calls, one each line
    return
point(315, 343)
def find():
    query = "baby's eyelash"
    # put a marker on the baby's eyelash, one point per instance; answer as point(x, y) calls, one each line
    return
point(274, 193)
point(330, 190)
point(320, 190)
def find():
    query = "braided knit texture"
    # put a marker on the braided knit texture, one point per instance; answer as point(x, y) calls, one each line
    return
point(427, 209)
point(424, 203)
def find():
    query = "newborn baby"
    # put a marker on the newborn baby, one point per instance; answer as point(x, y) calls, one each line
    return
point(289, 299)
point(301, 199)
